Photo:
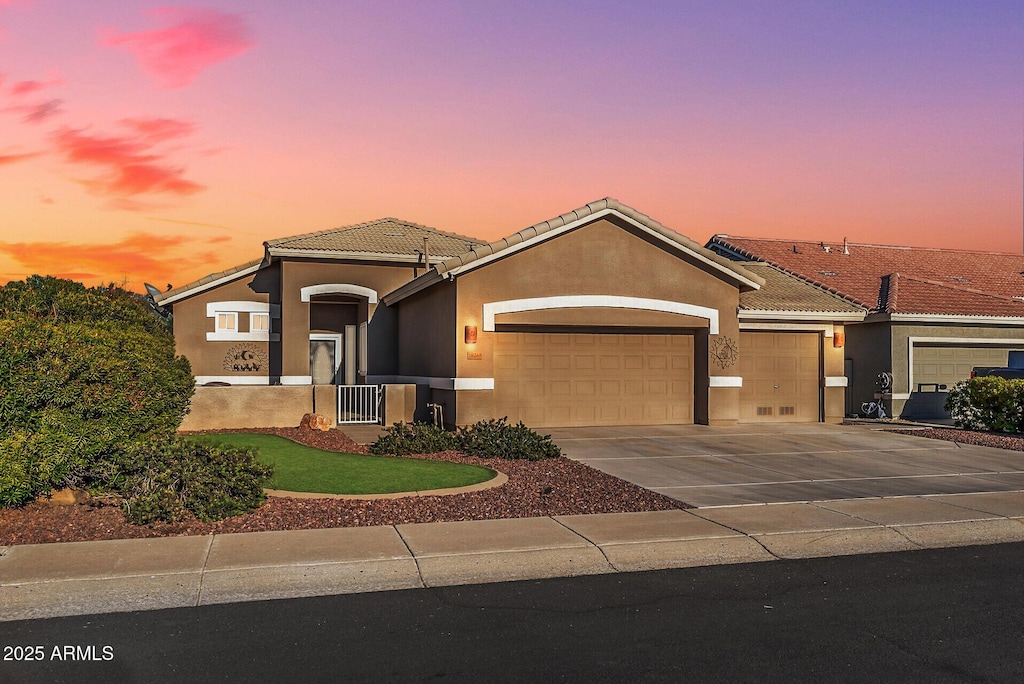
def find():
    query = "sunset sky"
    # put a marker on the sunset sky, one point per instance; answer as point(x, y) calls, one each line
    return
point(150, 142)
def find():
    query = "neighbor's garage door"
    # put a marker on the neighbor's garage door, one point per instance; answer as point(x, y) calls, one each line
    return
point(555, 380)
point(945, 365)
point(781, 377)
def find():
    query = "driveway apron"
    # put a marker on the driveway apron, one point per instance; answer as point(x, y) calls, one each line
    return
point(723, 466)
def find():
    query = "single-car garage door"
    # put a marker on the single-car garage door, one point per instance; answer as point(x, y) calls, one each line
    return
point(781, 377)
point(945, 365)
point(557, 380)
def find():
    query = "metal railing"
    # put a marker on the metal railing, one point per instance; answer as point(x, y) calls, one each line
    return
point(359, 403)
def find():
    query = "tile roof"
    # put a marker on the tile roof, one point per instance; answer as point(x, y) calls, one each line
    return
point(786, 292)
point(482, 251)
point(936, 281)
point(207, 279)
point(386, 236)
point(907, 294)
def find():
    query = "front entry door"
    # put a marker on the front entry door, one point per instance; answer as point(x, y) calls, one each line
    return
point(324, 359)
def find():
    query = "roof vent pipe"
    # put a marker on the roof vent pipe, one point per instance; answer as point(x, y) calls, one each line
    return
point(846, 247)
point(426, 253)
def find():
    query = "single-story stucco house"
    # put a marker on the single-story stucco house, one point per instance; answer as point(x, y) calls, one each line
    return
point(600, 316)
point(933, 314)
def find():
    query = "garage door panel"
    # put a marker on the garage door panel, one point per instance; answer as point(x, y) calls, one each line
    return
point(781, 377)
point(594, 379)
point(949, 364)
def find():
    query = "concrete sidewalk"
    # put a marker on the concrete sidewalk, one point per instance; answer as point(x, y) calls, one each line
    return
point(47, 580)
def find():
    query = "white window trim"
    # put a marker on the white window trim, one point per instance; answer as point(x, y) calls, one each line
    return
point(232, 315)
point(256, 314)
point(338, 288)
point(214, 309)
point(491, 309)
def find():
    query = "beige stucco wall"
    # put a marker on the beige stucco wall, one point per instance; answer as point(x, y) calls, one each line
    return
point(600, 258)
point(191, 325)
point(244, 407)
point(295, 323)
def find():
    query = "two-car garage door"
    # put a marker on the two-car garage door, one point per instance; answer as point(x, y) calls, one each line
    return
point(565, 379)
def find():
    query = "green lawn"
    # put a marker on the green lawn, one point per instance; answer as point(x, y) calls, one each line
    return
point(299, 468)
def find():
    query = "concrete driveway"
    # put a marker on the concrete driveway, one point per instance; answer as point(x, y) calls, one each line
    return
point(723, 466)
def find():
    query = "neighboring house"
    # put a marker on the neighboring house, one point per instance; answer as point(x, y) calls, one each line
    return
point(933, 313)
point(601, 316)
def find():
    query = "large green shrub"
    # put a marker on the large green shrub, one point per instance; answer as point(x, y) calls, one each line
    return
point(498, 439)
point(988, 403)
point(172, 478)
point(89, 382)
point(414, 438)
point(487, 438)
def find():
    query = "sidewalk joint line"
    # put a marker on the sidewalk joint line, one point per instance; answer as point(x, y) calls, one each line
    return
point(589, 541)
point(415, 560)
point(745, 534)
point(202, 570)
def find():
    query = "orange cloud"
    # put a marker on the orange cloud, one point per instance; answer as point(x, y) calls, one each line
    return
point(15, 158)
point(141, 255)
point(195, 39)
point(133, 168)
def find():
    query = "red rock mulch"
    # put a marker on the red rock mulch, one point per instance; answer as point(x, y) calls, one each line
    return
point(989, 439)
point(558, 486)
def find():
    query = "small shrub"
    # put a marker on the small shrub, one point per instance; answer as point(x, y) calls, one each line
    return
point(988, 403)
point(498, 439)
point(170, 479)
point(414, 438)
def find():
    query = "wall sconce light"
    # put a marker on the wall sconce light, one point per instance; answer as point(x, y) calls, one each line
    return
point(838, 339)
point(470, 334)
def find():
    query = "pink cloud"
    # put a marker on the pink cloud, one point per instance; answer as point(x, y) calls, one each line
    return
point(193, 40)
point(158, 130)
point(28, 87)
point(132, 166)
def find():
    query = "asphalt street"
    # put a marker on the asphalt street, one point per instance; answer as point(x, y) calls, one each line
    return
point(933, 615)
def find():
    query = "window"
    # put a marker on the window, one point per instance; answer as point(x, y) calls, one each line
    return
point(259, 322)
point(230, 318)
point(227, 322)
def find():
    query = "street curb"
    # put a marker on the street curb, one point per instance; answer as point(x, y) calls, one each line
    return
point(51, 580)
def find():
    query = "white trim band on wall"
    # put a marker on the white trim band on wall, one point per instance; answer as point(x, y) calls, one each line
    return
point(725, 381)
point(836, 381)
point(233, 379)
point(458, 384)
point(214, 308)
point(296, 379)
point(598, 301)
point(338, 288)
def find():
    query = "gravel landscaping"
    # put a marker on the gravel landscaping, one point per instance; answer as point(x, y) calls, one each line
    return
point(558, 486)
point(990, 439)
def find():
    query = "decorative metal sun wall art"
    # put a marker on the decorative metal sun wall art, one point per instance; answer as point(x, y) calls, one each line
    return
point(244, 358)
point(724, 351)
